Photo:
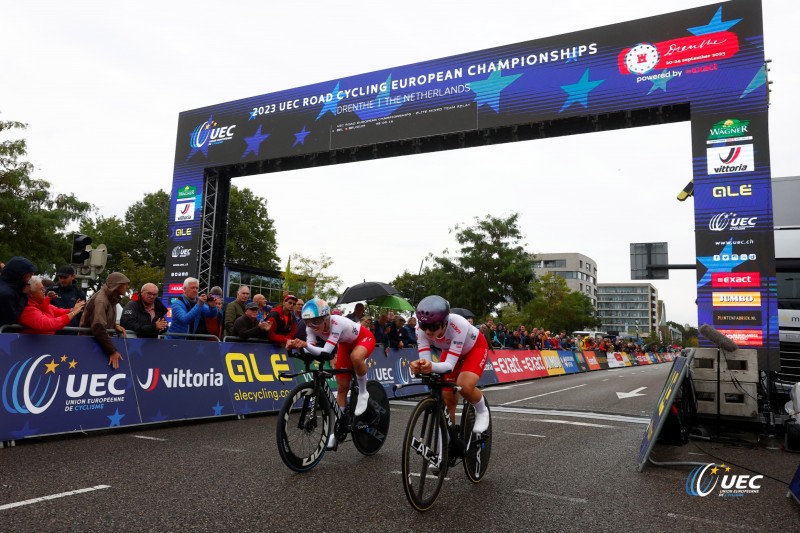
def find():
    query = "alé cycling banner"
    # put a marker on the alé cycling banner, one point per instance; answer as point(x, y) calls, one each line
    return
point(711, 57)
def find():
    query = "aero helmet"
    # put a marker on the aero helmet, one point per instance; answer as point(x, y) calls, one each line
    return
point(314, 308)
point(433, 309)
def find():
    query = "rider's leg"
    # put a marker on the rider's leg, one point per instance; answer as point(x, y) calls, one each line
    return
point(358, 357)
point(450, 402)
point(342, 386)
point(468, 381)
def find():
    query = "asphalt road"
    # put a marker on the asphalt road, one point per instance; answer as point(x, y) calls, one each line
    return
point(564, 459)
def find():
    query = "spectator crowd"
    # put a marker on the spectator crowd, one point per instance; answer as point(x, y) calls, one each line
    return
point(48, 307)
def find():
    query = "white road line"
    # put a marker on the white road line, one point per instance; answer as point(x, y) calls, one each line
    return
point(417, 475)
point(555, 412)
point(570, 422)
point(53, 497)
point(552, 496)
point(524, 434)
point(714, 523)
point(605, 379)
point(545, 394)
point(148, 438)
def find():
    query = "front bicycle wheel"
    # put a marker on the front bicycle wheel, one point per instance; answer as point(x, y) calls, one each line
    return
point(479, 447)
point(304, 423)
point(370, 429)
point(424, 455)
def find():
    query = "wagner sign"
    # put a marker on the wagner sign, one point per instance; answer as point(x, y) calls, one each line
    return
point(710, 57)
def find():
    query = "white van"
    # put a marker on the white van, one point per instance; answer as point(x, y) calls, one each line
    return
point(593, 334)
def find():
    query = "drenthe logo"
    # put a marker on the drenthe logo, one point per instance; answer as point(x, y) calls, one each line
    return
point(702, 481)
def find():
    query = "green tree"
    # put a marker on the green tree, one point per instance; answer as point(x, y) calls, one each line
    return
point(554, 307)
point(322, 284)
point(147, 224)
point(138, 273)
point(251, 233)
point(33, 221)
point(491, 267)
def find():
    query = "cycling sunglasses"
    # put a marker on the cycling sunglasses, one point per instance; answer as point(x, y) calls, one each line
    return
point(317, 321)
point(433, 326)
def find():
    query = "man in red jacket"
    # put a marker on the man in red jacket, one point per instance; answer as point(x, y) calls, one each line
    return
point(282, 325)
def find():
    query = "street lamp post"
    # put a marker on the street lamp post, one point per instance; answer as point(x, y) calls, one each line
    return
point(636, 324)
point(416, 282)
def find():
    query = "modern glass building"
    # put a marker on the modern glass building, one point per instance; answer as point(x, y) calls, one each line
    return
point(580, 271)
point(628, 307)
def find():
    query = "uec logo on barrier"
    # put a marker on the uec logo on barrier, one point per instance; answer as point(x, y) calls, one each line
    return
point(702, 481)
point(22, 396)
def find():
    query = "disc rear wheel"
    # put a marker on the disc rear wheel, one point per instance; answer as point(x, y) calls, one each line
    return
point(370, 429)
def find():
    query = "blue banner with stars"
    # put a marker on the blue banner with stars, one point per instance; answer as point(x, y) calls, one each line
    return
point(711, 57)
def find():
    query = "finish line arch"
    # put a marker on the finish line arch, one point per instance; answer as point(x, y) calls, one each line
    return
point(705, 65)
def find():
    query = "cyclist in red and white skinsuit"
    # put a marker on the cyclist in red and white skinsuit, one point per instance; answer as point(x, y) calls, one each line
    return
point(464, 353)
point(355, 346)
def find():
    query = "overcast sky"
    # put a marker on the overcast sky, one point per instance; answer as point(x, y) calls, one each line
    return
point(101, 84)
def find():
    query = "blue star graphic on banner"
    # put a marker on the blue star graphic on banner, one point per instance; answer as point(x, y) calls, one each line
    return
point(217, 408)
point(158, 417)
point(116, 418)
point(488, 91)
point(199, 136)
point(758, 80)
point(25, 431)
point(300, 137)
point(659, 83)
point(253, 114)
point(714, 25)
point(244, 409)
point(579, 92)
point(719, 264)
point(330, 106)
point(254, 142)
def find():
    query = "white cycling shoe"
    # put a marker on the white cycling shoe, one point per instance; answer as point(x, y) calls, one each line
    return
point(481, 422)
point(332, 443)
point(361, 404)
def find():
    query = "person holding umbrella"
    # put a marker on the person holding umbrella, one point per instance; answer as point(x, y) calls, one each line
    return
point(355, 342)
point(464, 353)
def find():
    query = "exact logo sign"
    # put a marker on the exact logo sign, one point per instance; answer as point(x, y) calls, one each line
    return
point(737, 318)
point(730, 221)
point(728, 159)
point(736, 280)
point(210, 132)
point(732, 191)
point(736, 299)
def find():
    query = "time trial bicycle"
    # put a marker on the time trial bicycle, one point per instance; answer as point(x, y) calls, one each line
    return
point(432, 444)
point(310, 413)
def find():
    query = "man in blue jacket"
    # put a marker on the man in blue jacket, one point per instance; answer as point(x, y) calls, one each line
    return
point(189, 310)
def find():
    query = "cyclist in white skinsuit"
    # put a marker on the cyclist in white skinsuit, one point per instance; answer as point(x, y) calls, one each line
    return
point(464, 354)
point(355, 346)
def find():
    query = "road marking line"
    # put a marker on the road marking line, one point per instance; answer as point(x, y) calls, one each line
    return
point(708, 521)
point(524, 434)
point(605, 379)
point(576, 423)
point(545, 394)
point(149, 438)
point(554, 412)
point(52, 497)
point(552, 496)
point(417, 475)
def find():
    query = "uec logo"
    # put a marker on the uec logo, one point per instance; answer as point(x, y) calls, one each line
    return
point(702, 481)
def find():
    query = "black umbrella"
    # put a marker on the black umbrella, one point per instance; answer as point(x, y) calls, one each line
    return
point(466, 313)
point(365, 291)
